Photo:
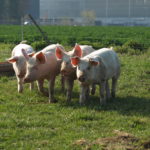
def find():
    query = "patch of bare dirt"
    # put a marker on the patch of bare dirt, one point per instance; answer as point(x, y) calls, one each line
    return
point(122, 141)
point(81, 142)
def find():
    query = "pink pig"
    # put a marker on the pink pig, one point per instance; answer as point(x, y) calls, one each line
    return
point(98, 67)
point(67, 70)
point(19, 63)
point(43, 65)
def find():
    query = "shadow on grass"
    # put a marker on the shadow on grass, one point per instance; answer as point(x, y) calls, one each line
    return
point(124, 105)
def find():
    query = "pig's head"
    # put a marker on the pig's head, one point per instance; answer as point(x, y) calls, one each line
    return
point(19, 64)
point(33, 65)
point(85, 68)
point(66, 66)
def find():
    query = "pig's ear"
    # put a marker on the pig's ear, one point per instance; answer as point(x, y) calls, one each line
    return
point(77, 50)
point(31, 54)
point(25, 54)
point(75, 60)
point(12, 59)
point(93, 62)
point(59, 53)
point(41, 58)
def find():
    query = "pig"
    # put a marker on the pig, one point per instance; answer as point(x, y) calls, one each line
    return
point(97, 67)
point(43, 65)
point(19, 63)
point(67, 70)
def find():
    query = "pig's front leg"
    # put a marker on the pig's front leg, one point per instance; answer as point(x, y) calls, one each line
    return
point(108, 95)
point(102, 92)
point(41, 88)
point(62, 83)
point(83, 94)
point(70, 83)
point(51, 90)
point(20, 84)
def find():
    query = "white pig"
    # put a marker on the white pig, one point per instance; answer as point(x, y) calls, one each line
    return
point(67, 70)
point(43, 65)
point(97, 67)
point(19, 63)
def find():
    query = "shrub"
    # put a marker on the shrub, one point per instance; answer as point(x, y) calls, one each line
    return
point(55, 39)
point(91, 35)
point(69, 41)
point(133, 51)
point(127, 50)
point(121, 49)
point(4, 79)
point(114, 41)
point(85, 43)
point(38, 45)
point(97, 45)
point(134, 45)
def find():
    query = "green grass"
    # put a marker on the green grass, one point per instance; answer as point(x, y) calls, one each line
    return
point(98, 36)
point(28, 121)
point(5, 51)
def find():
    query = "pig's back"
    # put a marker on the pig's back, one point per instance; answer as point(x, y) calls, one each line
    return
point(86, 49)
point(51, 61)
point(17, 51)
point(109, 60)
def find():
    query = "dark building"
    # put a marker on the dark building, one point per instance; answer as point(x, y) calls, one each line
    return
point(127, 12)
point(33, 8)
point(11, 11)
point(77, 12)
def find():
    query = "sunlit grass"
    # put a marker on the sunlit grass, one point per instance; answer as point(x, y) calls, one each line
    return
point(28, 121)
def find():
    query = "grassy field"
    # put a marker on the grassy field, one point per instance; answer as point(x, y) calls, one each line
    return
point(98, 36)
point(28, 121)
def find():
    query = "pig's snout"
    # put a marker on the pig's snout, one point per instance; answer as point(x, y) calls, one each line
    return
point(81, 78)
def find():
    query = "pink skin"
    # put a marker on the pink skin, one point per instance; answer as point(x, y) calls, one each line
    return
point(43, 65)
point(19, 64)
point(67, 70)
point(97, 67)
